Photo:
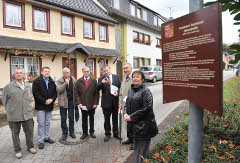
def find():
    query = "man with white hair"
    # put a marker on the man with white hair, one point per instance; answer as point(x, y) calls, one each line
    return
point(87, 98)
point(17, 99)
point(65, 87)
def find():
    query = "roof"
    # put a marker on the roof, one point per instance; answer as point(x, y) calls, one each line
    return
point(47, 46)
point(113, 11)
point(86, 7)
point(139, 4)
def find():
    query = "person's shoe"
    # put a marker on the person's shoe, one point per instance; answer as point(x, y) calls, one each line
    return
point(48, 140)
point(64, 137)
point(32, 150)
point(129, 141)
point(107, 138)
point(72, 135)
point(117, 137)
point(19, 155)
point(83, 136)
point(93, 135)
point(132, 147)
point(40, 145)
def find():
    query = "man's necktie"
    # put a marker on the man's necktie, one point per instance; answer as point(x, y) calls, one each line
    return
point(127, 77)
point(109, 81)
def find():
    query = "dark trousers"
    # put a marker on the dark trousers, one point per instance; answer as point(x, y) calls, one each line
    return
point(129, 131)
point(85, 115)
point(141, 148)
point(107, 126)
point(63, 114)
point(28, 127)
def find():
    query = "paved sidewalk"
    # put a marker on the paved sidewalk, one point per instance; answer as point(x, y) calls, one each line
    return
point(87, 151)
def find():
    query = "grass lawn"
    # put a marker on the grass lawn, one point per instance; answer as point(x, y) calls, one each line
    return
point(221, 134)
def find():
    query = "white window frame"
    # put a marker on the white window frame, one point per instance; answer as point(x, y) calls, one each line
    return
point(133, 9)
point(155, 20)
point(90, 30)
point(69, 24)
point(116, 4)
point(101, 33)
point(159, 20)
point(145, 15)
point(25, 65)
point(19, 14)
point(134, 60)
point(44, 23)
point(148, 62)
point(92, 70)
point(139, 15)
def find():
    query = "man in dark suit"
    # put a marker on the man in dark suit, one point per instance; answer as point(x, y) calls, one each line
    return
point(87, 98)
point(109, 101)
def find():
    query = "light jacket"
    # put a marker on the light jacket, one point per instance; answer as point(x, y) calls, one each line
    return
point(18, 102)
point(125, 87)
point(62, 93)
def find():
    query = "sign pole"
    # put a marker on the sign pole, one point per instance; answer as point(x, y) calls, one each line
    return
point(195, 142)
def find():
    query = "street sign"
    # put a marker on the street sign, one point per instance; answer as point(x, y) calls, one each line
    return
point(192, 59)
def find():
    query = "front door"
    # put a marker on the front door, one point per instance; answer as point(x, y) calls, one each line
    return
point(71, 64)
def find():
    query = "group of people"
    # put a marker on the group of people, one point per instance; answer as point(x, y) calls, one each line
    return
point(131, 95)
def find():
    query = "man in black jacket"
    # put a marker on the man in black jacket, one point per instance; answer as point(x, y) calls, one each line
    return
point(109, 101)
point(45, 94)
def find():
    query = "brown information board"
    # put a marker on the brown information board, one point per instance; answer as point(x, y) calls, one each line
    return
point(192, 59)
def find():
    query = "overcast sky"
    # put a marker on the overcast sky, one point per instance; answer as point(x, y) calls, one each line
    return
point(181, 7)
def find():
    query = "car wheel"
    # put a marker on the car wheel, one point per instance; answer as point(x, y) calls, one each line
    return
point(154, 79)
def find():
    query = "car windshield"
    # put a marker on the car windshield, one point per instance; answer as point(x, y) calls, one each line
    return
point(146, 68)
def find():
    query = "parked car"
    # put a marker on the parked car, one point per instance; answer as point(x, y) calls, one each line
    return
point(153, 73)
point(236, 69)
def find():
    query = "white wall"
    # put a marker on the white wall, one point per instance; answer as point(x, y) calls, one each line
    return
point(141, 50)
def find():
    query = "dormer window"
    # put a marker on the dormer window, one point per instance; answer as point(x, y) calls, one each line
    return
point(145, 15)
point(133, 9)
point(115, 4)
point(139, 13)
point(157, 21)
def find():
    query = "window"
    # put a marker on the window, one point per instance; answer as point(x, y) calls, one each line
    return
point(90, 64)
point(30, 64)
point(139, 13)
point(13, 15)
point(142, 63)
point(158, 62)
point(68, 28)
point(141, 37)
point(88, 29)
point(133, 9)
point(135, 36)
point(136, 62)
point(145, 15)
point(159, 21)
point(103, 32)
point(116, 4)
point(155, 20)
point(147, 39)
point(158, 43)
point(148, 61)
point(40, 20)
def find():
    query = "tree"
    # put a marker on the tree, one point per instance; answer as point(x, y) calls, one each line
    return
point(233, 6)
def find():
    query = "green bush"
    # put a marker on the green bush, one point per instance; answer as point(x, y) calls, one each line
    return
point(221, 139)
